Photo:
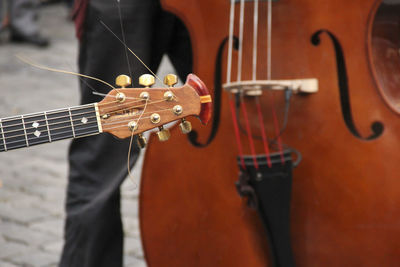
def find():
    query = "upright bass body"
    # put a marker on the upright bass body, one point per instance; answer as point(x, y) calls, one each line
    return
point(345, 203)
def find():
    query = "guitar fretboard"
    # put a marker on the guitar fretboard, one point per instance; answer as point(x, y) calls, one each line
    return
point(44, 127)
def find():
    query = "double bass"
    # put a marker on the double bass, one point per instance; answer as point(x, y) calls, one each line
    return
point(345, 199)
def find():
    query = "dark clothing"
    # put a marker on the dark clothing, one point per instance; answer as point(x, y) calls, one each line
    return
point(93, 230)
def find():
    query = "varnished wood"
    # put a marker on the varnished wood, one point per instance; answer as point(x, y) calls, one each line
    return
point(115, 116)
point(346, 191)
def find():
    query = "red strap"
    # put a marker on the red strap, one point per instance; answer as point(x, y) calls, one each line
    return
point(264, 136)
point(237, 134)
point(79, 14)
point(249, 134)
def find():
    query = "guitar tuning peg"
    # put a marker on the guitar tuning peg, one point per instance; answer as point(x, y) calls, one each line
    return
point(163, 134)
point(186, 126)
point(141, 141)
point(170, 80)
point(123, 81)
point(146, 80)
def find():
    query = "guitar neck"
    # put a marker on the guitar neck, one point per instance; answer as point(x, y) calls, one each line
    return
point(45, 127)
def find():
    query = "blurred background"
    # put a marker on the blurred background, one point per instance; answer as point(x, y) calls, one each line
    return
point(34, 179)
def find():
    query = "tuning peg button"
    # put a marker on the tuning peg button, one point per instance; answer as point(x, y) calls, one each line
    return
point(146, 80)
point(186, 126)
point(163, 134)
point(123, 81)
point(170, 80)
point(141, 141)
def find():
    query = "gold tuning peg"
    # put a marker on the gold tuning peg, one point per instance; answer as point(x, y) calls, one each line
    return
point(123, 81)
point(186, 126)
point(170, 80)
point(146, 80)
point(141, 141)
point(163, 134)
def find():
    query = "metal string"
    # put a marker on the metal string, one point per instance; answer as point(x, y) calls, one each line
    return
point(123, 37)
point(255, 37)
point(269, 39)
point(230, 45)
point(68, 121)
point(240, 55)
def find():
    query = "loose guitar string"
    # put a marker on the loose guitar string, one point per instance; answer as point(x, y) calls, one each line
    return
point(127, 48)
point(137, 57)
point(129, 153)
point(27, 61)
point(93, 78)
point(123, 37)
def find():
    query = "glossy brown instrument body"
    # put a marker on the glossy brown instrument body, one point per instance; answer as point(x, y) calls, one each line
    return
point(346, 191)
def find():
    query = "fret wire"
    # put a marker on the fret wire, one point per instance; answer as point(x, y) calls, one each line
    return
point(33, 139)
point(72, 125)
point(40, 114)
point(47, 125)
point(23, 125)
point(55, 111)
point(52, 124)
point(31, 115)
point(2, 133)
point(59, 128)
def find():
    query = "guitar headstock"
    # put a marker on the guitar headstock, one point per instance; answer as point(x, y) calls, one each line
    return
point(135, 110)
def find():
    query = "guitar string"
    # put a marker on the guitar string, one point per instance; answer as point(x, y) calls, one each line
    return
point(30, 62)
point(72, 127)
point(78, 114)
point(123, 37)
point(52, 135)
point(127, 97)
point(137, 57)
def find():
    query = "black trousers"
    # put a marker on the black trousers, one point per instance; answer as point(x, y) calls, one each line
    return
point(93, 230)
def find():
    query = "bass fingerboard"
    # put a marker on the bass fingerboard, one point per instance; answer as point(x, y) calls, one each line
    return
point(45, 127)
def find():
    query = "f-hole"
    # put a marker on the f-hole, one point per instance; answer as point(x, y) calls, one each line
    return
point(193, 135)
point(376, 127)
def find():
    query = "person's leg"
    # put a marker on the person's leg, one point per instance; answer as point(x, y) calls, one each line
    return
point(23, 22)
point(93, 232)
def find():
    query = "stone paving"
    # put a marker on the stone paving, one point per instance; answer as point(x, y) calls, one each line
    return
point(34, 179)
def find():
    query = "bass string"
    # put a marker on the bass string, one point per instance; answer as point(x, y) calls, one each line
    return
point(254, 72)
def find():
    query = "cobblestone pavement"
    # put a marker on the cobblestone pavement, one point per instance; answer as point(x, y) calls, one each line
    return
point(34, 179)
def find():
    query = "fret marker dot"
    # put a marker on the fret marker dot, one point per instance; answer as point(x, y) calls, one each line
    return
point(35, 124)
point(84, 120)
point(37, 133)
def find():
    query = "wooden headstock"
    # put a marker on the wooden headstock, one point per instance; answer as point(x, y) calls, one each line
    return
point(135, 110)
